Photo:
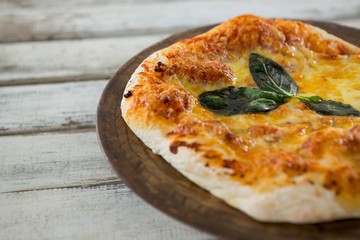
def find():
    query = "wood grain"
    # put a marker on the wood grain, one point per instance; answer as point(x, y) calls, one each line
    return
point(93, 20)
point(100, 212)
point(73, 60)
point(162, 186)
point(50, 160)
point(49, 107)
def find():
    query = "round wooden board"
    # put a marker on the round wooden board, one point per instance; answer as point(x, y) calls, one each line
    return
point(153, 179)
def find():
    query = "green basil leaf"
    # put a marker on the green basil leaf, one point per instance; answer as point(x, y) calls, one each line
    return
point(316, 99)
point(270, 76)
point(231, 100)
point(255, 93)
point(215, 102)
point(261, 105)
point(329, 107)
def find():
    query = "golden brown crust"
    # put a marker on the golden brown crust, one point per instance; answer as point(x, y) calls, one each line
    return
point(248, 32)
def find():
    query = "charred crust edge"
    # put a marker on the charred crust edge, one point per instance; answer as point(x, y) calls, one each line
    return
point(128, 94)
point(176, 144)
point(160, 67)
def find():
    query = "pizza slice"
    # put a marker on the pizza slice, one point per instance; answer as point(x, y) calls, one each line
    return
point(262, 113)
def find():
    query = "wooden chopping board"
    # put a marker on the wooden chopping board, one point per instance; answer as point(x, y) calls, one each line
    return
point(153, 179)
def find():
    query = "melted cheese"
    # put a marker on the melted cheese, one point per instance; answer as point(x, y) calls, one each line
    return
point(335, 79)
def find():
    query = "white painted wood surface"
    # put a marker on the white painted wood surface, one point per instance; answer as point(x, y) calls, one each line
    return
point(55, 182)
point(49, 107)
point(51, 160)
point(123, 18)
point(100, 212)
point(71, 60)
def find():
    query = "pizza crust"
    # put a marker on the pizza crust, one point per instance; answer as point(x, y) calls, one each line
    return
point(300, 202)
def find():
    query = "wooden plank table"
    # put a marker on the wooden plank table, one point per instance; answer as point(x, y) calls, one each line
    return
point(55, 60)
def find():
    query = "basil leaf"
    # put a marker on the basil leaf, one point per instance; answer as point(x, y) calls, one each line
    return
point(261, 105)
point(215, 102)
point(231, 100)
point(329, 107)
point(255, 93)
point(270, 76)
point(275, 87)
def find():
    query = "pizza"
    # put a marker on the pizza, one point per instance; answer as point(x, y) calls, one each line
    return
point(262, 113)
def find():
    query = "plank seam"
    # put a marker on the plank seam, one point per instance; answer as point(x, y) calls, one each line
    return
point(76, 129)
point(52, 80)
point(107, 182)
